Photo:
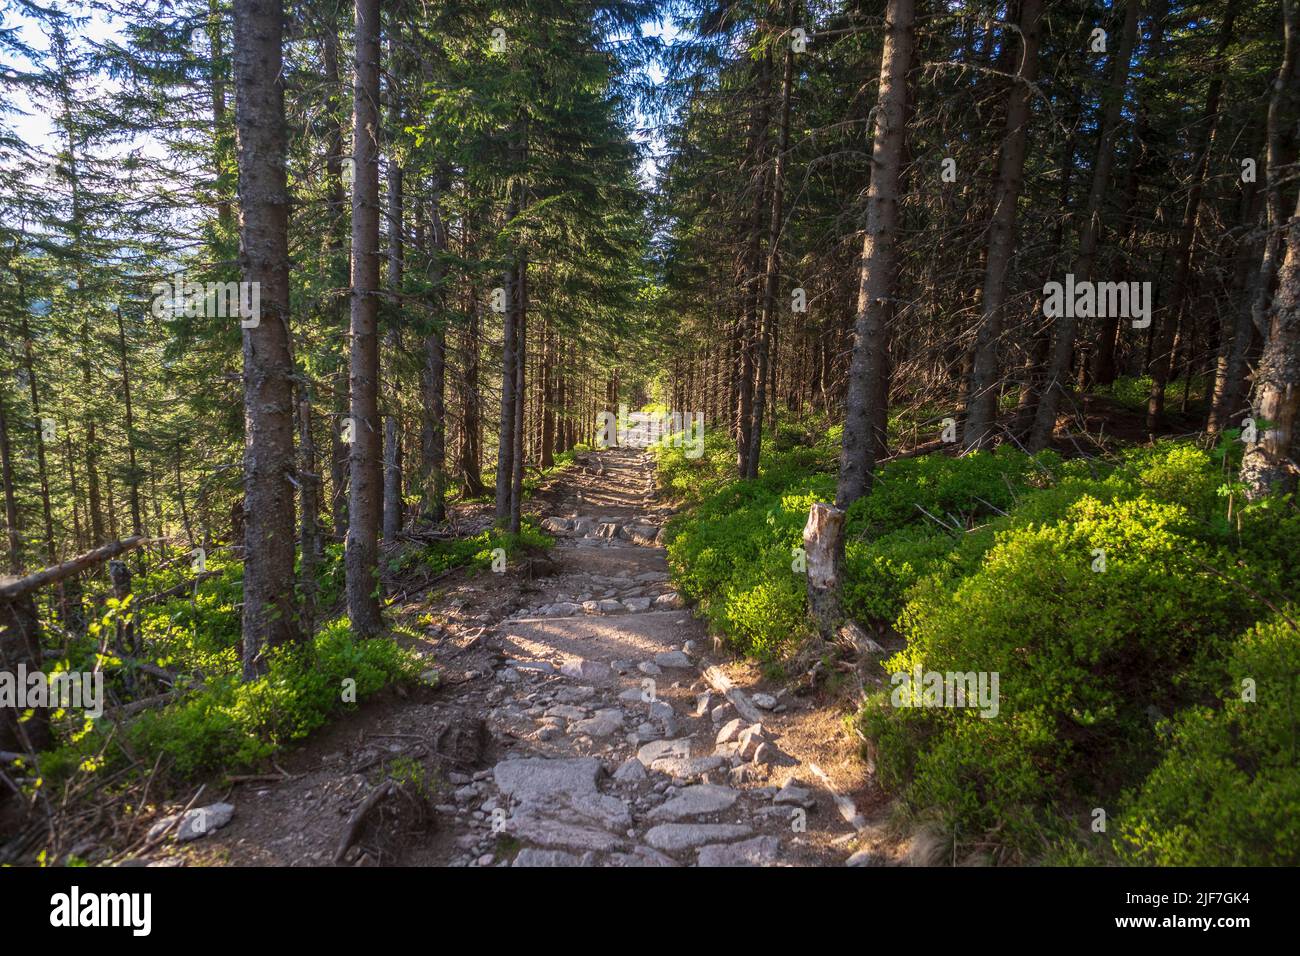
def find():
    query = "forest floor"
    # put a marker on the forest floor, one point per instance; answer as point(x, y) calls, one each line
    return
point(573, 724)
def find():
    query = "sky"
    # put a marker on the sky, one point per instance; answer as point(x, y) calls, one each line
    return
point(34, 125)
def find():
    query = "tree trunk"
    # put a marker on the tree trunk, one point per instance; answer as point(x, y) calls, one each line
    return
point(748, 275)
point(517, 439)
point(879, 264)
point(133, 470)
point(392, 520)
point(364, 497)
point(1168, 321)
point(42, 469)
point(433, 434)
point(982, 392)
point(270, 615)
point(1064, 325)
point(309, 529)
point(12, 528)
point(1267, 465)
point(767, 331)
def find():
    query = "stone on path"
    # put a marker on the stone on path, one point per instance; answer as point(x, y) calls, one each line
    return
point(632, 771)
point(672, 837)
point(758, 851)
point(531, 856)
point(673, 659)
point(195, 822)
point(601, 724)
point(696, 801)
point(517, 778)
point(580, 668)
point(794, 795)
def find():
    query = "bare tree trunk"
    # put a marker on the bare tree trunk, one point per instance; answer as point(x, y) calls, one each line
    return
point(1266, 465)
point(392, 518)
point(12, 526)
point(767, 330)
point(42, 468)
point(471, 475)
point(1169, 319)
point(878, 269)
point(309, 528)
point(982, 397)
point(364, 498)
point(521, 357)
point(748, 278)
point(270, 612)
point(133, 471)
point(877, 276)
point(514, 293)
point(506, 432)
point(1064, 325)
point(548, 399)
point(335, 256)
point(433, 435)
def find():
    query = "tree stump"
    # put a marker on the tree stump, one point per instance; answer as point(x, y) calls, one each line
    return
point(823, 543)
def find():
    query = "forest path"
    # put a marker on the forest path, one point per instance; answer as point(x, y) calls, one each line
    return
point(574, 726)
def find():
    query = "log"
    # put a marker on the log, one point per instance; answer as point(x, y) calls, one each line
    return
point(13, 588)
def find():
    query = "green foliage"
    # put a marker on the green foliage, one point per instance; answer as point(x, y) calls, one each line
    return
point(735, 551)
point(1228, 789)
point(1133, 391)
point(440, 556)
point(229, 724)
point(1003, 576)
point(1082, 656)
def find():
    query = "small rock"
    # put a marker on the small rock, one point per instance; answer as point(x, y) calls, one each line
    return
point(196, 822)
point(632, 771)
point(730, 731)
point(794, 795)
point(696, 801)
point(763, 701)
point(759, 851)
point(672, 837)
point(601, 724)
point(673, 659)
point(583, 669)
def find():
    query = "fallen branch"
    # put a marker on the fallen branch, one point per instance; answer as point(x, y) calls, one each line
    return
point(17, 587)
point(358, 817)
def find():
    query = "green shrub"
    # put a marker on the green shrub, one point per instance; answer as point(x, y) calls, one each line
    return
point(1228, 791)
point(229, 724)
point(440, 556)
point(1081, 656)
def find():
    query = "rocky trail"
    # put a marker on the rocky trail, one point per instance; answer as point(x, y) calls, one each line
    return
point(582, 717)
